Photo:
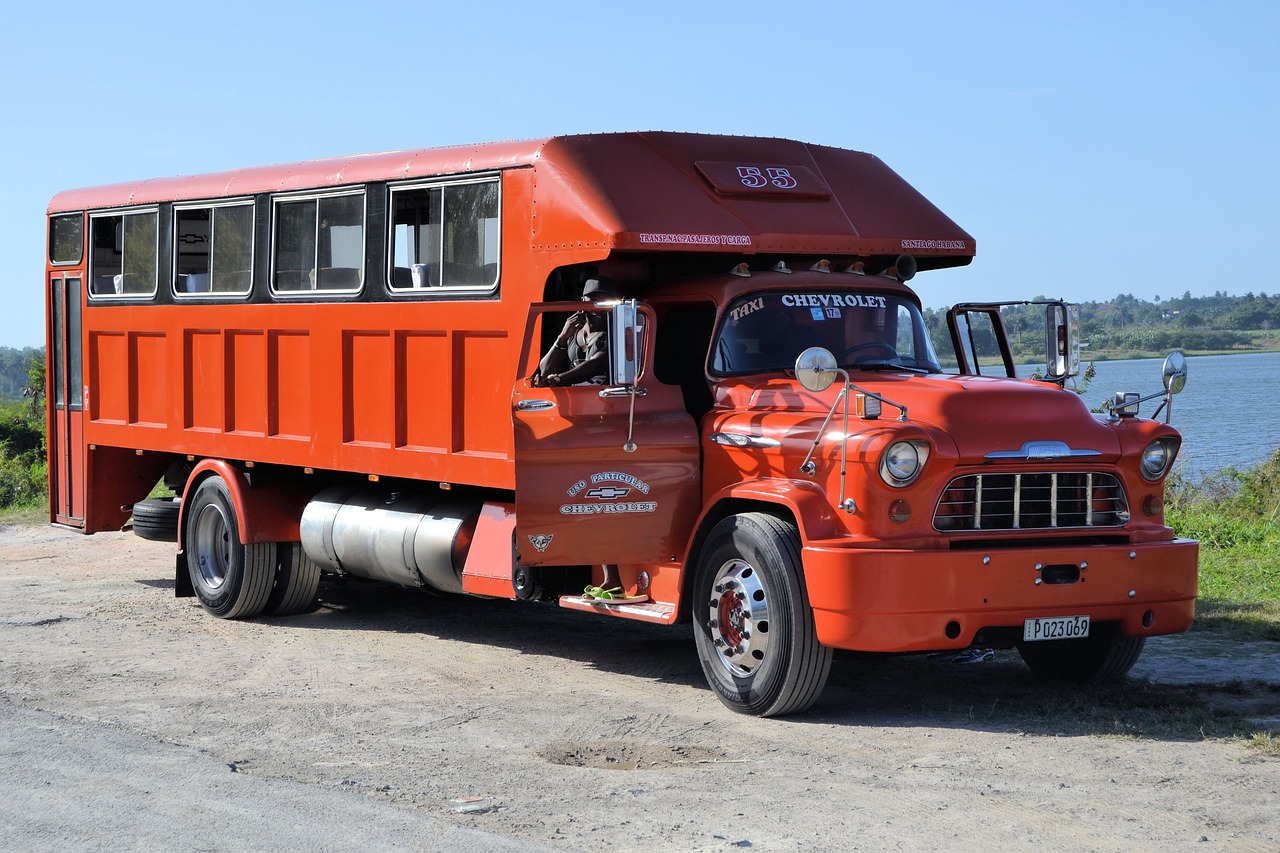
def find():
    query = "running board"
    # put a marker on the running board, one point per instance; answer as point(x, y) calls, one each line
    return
point(648, 611)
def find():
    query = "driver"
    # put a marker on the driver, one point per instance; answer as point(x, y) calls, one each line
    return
point(580, 354)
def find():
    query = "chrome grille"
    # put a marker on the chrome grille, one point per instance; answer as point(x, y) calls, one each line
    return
point(1031, 501)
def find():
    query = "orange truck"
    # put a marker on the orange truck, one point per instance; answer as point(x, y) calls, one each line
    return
point(675, 378)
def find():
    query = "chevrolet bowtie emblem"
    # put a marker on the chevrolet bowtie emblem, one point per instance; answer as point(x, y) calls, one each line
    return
point(608, 493)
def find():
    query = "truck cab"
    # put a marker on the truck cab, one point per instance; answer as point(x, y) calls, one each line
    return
point(855, 493)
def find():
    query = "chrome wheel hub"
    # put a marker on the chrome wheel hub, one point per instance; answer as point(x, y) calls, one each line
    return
point(212, 546)
point(738, 617)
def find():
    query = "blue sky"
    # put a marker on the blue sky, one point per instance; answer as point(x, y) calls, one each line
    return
point(1091, 148)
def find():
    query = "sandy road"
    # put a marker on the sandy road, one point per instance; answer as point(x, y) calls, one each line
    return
point(134, 721)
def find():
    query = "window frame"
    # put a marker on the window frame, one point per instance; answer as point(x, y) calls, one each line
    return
point(53, 217)
point(122, 212)
point(312, 195)
point(899, 301)
point(239, 201)
point(442, 290)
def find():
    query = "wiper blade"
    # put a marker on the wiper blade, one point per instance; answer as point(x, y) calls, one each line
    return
point(888, 365)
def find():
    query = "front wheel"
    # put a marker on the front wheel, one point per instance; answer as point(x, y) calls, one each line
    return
point(1105, 655)
point(753, 625)
point(231, 579)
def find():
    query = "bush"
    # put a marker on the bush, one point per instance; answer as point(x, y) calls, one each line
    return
point(19, 436)
point(22, 482)
point(1250, 496)
point(23, 471)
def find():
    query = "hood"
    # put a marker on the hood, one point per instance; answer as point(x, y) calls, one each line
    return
point(979, 414)
point(986, 414)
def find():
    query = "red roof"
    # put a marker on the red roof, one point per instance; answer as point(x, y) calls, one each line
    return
point(638, 191)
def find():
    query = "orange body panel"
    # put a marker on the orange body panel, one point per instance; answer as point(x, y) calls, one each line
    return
point(488, 567)
point(296, 385)
point(903, 600)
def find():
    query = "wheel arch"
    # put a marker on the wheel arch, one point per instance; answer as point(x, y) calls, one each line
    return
point(267, 509)
point(796, 501)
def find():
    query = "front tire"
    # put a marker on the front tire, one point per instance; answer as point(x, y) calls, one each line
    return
point(231, 579)
point(753, 626)
point(1105, 655)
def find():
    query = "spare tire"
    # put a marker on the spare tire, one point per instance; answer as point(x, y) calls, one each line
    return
point(156, 519)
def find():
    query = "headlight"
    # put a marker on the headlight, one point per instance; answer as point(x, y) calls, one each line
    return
point(1158, 457)
point(902, 462)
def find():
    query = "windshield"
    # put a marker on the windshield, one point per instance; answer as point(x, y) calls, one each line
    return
point(764, 332)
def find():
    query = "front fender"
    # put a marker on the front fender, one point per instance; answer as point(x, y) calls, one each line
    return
point(807, 503)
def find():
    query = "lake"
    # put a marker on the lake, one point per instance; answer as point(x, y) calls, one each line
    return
point(1229, 413)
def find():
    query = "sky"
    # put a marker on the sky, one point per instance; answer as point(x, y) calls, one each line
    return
point(1091, 148)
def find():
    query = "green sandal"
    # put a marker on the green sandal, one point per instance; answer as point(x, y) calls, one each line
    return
point(613, 595)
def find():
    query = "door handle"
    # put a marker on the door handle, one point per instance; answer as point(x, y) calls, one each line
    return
point(623, 391)
point(534, 405)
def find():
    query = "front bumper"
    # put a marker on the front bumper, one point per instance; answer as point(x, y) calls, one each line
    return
point(902, 601)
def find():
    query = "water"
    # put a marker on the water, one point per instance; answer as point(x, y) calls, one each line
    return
point(1229, 413)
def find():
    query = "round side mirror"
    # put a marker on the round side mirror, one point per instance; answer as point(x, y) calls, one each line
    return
point(816, 369)
point(1175, 372)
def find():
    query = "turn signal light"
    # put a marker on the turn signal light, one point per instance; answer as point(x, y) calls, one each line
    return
point(899, 512)
point(1125, 404)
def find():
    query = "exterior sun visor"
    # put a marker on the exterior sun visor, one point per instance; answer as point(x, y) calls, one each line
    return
point(720, 194)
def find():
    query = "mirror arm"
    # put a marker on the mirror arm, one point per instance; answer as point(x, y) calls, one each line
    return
point(807, 466)
point(630, 446)
point(1168, 401)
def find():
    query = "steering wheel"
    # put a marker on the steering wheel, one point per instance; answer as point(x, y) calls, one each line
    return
point(881, 345)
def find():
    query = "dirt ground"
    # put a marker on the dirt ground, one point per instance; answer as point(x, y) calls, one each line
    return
point(577, 732)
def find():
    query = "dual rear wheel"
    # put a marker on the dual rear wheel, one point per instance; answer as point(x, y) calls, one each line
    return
point(235, 580)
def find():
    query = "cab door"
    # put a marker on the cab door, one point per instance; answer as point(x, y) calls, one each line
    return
point(65, 403)
point(603, 475)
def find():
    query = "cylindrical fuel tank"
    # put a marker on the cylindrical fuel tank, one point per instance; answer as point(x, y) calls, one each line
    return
point(411, 540)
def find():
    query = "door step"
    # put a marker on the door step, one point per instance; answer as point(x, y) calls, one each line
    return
point(646, 611)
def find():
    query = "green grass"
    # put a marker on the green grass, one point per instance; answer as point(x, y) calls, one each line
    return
point(1266, 743)
point(1236, 517)
point(35, 514)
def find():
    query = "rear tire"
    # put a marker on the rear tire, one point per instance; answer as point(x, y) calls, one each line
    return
point(231, 579)
point(1105, 655)
point(752, 622)
point(156, 519)
point(297, 579)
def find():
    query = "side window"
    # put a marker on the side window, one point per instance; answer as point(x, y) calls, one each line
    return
point(445, 236)
point(680, 357)
point(123, 255)
point(979, 341)
point(66, 239)
point(905, 342)
point(576, 348)
point(213, 249)
point(319, 244)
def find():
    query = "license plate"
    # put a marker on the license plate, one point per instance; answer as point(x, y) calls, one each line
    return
point(1056, 628)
